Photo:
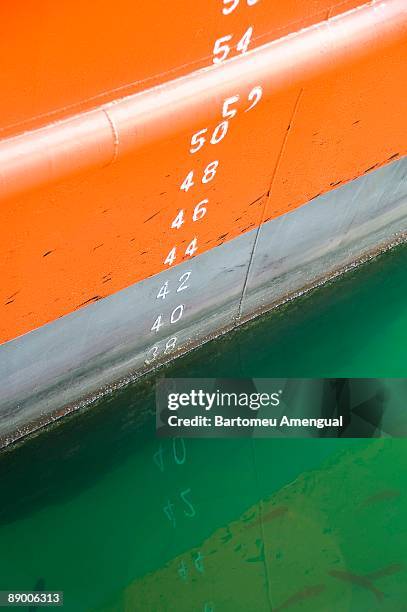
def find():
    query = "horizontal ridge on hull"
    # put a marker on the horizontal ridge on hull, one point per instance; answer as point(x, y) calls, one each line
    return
point(56, 63)
point(100, 137)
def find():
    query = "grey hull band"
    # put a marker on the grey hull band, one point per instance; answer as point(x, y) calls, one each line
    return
point(49, 371)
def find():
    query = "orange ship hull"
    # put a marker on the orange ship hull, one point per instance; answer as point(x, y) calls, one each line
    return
point(136, 159)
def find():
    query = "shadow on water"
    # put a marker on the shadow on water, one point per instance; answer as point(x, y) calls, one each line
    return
point(49, 469)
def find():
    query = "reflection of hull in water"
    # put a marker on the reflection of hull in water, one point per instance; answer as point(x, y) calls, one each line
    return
point(148, 223)
point(304, 546)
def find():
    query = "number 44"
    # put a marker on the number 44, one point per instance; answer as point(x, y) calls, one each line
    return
point(190, 250)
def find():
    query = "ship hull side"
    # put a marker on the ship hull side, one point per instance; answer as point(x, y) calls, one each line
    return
point(60, 366)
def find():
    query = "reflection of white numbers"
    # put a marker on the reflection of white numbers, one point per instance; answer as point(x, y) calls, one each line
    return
point(158, 458)
point(190, 250)
point(179, 458)
point(169, 512)
point(209, 174)
point(221, 49)
point(230, 5)
point(188, 509)
point(190, 512)
point(180, 455)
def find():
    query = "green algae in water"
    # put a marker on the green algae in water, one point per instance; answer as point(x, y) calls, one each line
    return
point(301, 548)
point(101, 509)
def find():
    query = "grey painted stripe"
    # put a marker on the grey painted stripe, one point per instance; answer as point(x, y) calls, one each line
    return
point(302, 248)
point(77, 354)
point(63, 361)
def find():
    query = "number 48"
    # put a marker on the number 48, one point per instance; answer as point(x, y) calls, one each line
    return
point(208, 175)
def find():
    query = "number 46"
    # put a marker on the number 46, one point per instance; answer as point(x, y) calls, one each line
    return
point(199, 213)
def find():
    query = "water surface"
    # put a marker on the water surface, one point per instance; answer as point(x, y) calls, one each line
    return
point(118, 520)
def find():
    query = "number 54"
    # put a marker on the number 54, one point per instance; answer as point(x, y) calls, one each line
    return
point(221, 50)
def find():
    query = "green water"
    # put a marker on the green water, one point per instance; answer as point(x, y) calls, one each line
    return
point(101, 509)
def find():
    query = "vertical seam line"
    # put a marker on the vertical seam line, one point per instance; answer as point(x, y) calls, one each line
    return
point(263, 213)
